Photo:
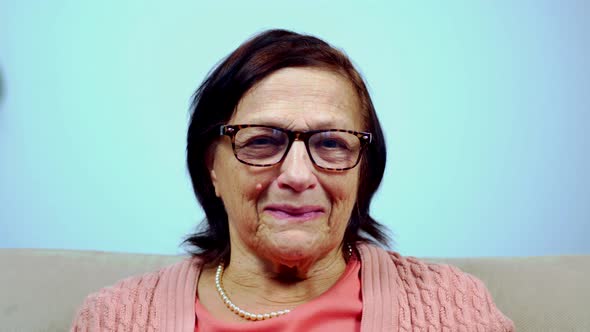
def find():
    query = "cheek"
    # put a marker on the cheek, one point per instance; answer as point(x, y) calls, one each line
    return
point(347, 186)
point(343, 195)
point(240, 193)
point(232, 182)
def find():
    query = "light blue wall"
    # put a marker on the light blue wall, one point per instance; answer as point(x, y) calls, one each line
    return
point(486, 108)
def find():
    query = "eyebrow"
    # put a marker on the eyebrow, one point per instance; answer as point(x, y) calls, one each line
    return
point(322, 124)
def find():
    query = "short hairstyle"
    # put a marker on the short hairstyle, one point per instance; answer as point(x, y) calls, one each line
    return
point(215, 101)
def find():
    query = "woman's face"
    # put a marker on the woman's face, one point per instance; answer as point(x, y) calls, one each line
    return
point(291, 211)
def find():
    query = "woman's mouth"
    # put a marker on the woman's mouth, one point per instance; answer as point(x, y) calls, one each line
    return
point(294, 213)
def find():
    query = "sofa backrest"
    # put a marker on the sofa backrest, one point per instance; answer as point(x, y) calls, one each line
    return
point(40, 290)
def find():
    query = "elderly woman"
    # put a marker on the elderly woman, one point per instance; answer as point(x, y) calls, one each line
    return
point(285, 152)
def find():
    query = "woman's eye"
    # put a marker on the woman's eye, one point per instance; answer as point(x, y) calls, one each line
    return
point(332, 144)
point(262, 141)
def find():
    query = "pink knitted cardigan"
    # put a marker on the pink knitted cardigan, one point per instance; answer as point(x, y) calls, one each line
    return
point(398, 294)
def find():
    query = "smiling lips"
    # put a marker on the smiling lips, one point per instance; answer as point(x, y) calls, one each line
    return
point(295, 213)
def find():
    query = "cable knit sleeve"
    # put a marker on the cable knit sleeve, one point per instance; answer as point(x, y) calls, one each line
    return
point(466, 302)
point(126, 306)
point(440, 297)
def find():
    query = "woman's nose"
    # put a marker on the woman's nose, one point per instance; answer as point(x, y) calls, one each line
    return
point(297, 170)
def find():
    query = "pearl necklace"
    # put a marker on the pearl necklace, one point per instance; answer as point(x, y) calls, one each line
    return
point(237, 310)
point(241, 312)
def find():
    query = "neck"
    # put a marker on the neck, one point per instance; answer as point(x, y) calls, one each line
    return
point(265, 285)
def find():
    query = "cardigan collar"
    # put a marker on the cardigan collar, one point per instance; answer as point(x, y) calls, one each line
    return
point(381, 287)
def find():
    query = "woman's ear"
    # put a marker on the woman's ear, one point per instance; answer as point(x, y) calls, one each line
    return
point(210, 162)
point(214, 180)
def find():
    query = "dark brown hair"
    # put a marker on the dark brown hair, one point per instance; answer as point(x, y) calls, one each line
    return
point(215, 101)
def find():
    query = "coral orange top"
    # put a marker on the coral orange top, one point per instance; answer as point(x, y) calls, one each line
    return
point(338, 309)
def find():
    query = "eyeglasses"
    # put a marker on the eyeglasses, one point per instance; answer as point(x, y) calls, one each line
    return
point(330, 149)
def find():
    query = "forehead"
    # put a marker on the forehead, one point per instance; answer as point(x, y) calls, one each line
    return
point(302, 99)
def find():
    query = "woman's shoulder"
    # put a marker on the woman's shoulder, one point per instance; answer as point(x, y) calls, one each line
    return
point(461, 294)
point(441, 292)
point(423, 274)
point(133, 301)
point(108, 307)
point(419, 273)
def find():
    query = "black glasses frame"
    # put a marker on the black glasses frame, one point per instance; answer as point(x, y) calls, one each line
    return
point(365, 139)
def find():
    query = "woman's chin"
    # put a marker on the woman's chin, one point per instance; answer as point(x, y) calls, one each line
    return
point(295, 248)
point(291, 254)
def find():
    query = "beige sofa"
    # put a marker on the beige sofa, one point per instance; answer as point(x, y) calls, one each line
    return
point(41, 289)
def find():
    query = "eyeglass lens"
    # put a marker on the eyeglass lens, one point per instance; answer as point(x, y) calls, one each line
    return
point(264, 146)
